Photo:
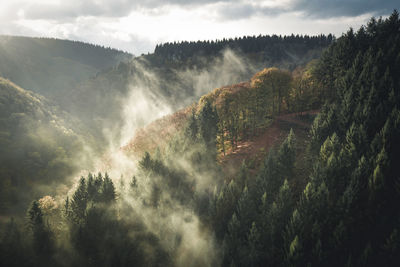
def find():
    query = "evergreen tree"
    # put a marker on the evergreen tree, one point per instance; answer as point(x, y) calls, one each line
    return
point(208, 120)
point(79, 201)
point(42, 237)
point(13, 250)
point(108, 190)
point(192, 130)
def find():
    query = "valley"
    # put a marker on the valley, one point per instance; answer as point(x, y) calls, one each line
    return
point(250, 151)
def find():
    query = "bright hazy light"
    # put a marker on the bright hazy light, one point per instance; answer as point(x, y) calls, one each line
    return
point(138, 26)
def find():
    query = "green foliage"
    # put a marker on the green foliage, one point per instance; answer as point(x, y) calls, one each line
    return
point(346, 215)
point(268, 47)
point(179, 69)
point(99, 237)
point(42, 237)
point(95, 190)
point(354, 176)
point(306, 92)
point(253, 236)
point(79, 201)
point(272, 88)
point(39, 146)
point(192, 128)
point(50, 66)
point(14, 250)
point(208, 119)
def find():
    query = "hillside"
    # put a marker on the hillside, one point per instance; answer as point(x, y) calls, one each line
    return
point(323, 196)
point(93, 83)
point(236, 143)
point(263, 50)
point(51, 66)
point(179, 74)
point(39, 143)
point(275, 166)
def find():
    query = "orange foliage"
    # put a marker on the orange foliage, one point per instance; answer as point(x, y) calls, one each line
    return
point(157, 133)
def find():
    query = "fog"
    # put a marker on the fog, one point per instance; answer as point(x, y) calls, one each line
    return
point(172, 219)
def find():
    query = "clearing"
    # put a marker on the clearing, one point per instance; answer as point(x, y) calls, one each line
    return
point(253, 151)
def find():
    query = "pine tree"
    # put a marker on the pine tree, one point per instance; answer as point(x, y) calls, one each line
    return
point(287, 156)
point(13, 251)
point(42, 237)
point(79, 201)
point(108, 190)
point(208, 120)
point(192, 130)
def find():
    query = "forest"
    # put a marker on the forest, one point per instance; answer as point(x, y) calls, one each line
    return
point(270, 45)
point(192, 187)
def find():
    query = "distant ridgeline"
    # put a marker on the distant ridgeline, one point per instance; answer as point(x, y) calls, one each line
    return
point(50, 66)
point(273, 47)
point(94, 55)
point(39, 146)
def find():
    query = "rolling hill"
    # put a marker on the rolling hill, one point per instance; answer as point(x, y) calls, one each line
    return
point(49, 66)
point(40, 145)
point(178, 74)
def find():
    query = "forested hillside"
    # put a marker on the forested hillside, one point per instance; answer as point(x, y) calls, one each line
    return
point(178, 74)
point(51, 66)
point(322, 192)
point(267, 48)
point(40, 146)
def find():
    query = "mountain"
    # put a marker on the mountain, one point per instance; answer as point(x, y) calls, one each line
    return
point(325, 195)
point(290, 166)
point(265, 50)
point(177, 74)
point(49, 66)
point(93, 83)
point(246, 130)
point(40, 145)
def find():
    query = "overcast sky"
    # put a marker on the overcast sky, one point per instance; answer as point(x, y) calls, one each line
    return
point(137, 25)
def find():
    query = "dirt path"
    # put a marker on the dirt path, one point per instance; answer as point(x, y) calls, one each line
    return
point(294, 117)
point(254, 151)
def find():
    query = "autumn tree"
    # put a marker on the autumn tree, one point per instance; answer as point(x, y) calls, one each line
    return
point(272, 86)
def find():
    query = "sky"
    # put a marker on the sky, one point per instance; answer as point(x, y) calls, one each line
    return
point(137, 26)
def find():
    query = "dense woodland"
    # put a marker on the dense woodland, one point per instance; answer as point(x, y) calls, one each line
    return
point(341, 210)
point(182, 81)
point(39, 146)
point(49, 66)
point(272, 46)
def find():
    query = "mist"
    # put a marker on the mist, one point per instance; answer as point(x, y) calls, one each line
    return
point(236, 152)
point(181, 233)
point(165, 202)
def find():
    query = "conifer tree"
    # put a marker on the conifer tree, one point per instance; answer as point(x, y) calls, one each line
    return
point(42, 237)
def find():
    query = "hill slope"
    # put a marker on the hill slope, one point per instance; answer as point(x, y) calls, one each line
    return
point(48, 66)
point(39, 145)
point(180, 74)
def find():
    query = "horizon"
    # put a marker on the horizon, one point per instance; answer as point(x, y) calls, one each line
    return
point(113, 23)
point(158, 44)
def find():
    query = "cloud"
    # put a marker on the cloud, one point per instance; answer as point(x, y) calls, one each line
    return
point(309, 8)
point(243, 10)
point(224, 9)
point(344, 8)
point(137, 26)
point(117, 8)
point(74, 9)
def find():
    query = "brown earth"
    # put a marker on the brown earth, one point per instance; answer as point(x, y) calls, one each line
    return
point(253, 151)
point(157, 133)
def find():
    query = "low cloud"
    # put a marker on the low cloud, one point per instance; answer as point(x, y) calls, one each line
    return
point(309, 8)
point(344, 8)
point(237, 9)
point(137, 26)
point(243, 10)
point(104, 8)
